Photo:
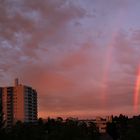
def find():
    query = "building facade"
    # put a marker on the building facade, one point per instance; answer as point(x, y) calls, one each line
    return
point(19, 103)
point(101, 123)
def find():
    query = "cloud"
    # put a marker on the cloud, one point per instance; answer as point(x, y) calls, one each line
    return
point(31, 33)
point(56, 47)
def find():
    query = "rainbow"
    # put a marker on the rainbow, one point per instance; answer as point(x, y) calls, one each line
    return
point(109, 53)
point(136, 91)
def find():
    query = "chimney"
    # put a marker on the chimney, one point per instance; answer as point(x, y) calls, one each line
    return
point(16, 82)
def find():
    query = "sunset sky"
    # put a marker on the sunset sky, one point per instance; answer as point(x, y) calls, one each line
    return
point(82, 56)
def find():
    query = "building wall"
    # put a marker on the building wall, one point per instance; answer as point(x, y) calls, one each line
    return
point(7, 105)
point(19, 103)
point(101, 123)
point(1, 113)
point(30, 98)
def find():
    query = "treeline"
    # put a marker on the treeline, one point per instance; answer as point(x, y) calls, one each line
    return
point(121, 128)
point(52, 129)
point(124, 128)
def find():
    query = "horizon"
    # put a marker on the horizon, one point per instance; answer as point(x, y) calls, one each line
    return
point(81, 56)
point(83, 116)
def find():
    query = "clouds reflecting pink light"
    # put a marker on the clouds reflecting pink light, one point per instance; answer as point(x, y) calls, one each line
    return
point(73, 52)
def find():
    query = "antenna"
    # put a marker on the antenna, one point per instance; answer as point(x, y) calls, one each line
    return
point(16, 82)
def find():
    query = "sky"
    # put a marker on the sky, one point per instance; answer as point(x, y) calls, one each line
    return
point(82, 56)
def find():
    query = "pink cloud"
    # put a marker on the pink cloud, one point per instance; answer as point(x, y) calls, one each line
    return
point(56, 47)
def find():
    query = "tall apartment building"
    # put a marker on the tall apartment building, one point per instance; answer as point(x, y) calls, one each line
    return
point(19, 103)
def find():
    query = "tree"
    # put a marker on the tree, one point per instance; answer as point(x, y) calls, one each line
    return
point(112, 130)
point(133, 130)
